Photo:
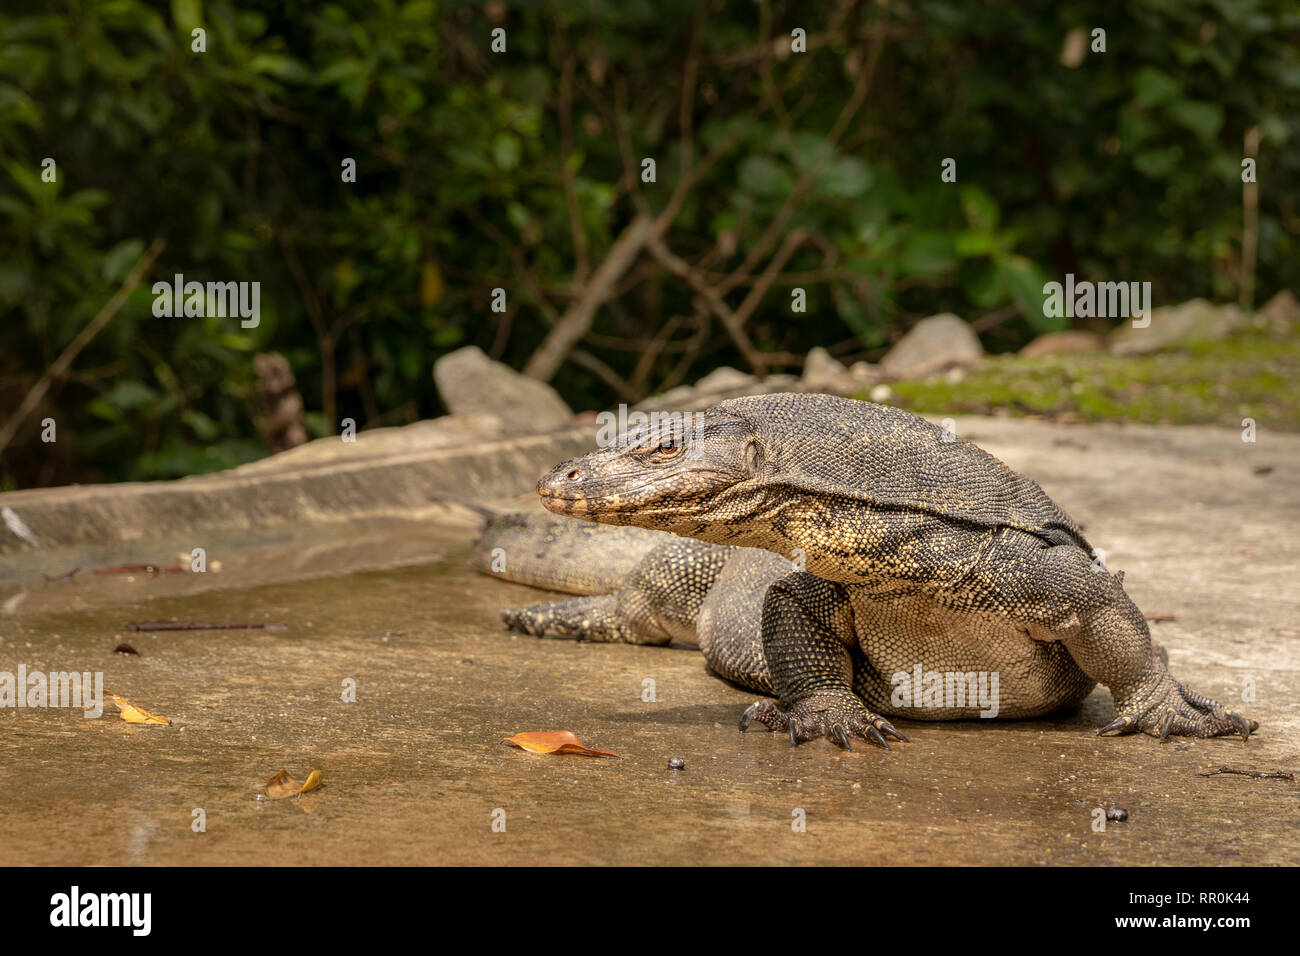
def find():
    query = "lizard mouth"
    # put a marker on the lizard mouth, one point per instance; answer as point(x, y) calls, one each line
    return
point(562, 493)
point(575, 503)
point(547, 491)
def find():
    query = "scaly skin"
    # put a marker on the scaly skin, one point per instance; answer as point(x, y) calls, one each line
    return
point(919, 551)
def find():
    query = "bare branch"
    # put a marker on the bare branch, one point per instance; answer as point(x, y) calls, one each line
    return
point(708, 295)
point(565, 111)
point(604, 373)
point(69, 355)
point(575, 322)
point(793, 240)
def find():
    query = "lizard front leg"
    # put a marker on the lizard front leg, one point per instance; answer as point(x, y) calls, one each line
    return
point(658, 601)
point(807, 630)
point(598, 618)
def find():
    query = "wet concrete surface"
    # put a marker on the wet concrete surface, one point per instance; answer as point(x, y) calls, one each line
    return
point(415, 770)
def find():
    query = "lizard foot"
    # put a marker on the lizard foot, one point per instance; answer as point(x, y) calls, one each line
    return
point(836, 715)
point(529, 620)
point(582, 618)
point(544, 621)
point(1167, 708)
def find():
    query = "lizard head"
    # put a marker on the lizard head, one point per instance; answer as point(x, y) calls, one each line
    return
point(678, 472)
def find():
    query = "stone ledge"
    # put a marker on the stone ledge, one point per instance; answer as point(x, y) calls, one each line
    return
point(406, 478)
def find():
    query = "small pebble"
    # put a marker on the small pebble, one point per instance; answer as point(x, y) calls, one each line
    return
point(676, 763)
point(1118, 814)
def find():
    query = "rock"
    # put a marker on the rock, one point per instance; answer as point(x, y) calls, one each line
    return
point(819, 366)
point(865, 373)
point(718, 386)
point(471, 383)
point(881, 394)
point(724, 379)
point(1062, 343)
point(932, 346)
point(1173, 325)
point(418, 437)
point(822, 372)
point(683, 396)
point(1283, 310)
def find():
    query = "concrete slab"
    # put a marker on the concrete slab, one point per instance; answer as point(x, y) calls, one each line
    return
point(415, 769)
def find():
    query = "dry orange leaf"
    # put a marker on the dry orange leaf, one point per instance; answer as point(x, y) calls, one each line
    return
point(136, 715)
point(555, 742)
point(282, 785)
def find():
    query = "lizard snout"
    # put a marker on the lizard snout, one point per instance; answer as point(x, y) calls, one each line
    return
point(555, 482)
point(563, 481)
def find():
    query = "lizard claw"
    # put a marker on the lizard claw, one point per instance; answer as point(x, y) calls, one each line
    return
point(1164, 708)
point(836, 715)
point(1242, 725)
point(1120, 724)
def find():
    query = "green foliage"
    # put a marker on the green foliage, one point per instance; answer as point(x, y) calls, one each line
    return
point(1126, 166)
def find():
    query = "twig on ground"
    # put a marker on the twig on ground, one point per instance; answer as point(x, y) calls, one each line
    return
point(1257, 774)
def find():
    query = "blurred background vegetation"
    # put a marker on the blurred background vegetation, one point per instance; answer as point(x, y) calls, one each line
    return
point(522, 170)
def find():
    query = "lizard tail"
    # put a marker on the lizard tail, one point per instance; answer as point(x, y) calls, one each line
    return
point(561, 554)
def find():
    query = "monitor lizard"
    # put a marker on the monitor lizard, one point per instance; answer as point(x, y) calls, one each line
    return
point(827, 549)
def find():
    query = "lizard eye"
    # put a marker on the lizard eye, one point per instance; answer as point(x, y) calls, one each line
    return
point(665, 448)
point(669, 448)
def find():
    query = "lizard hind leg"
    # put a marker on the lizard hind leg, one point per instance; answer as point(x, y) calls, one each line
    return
point(1113, 645)
point(1087, 609)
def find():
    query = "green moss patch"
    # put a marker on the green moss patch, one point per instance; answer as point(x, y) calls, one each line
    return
point(1254, 374)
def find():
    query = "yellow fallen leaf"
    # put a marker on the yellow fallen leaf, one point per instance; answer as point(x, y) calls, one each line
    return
point(136, 715)
point(282, 785)
point(431, 285)
point(554, 742)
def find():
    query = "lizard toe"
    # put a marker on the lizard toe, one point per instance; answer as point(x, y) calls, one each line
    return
point(766, 713)
point(842, 738)
point(522, 619)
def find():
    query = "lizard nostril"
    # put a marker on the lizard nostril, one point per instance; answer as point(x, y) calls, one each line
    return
point(574, 475)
